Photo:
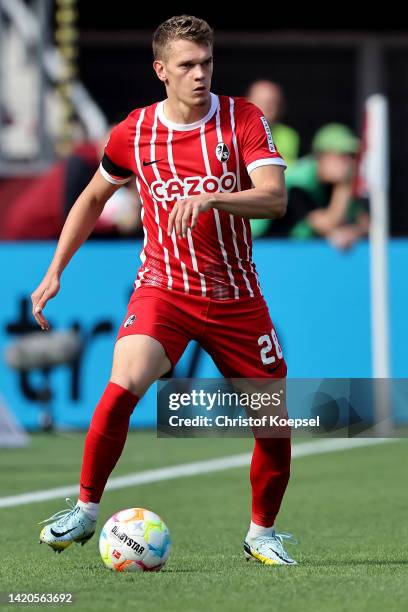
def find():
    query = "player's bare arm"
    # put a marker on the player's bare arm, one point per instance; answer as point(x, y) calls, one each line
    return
point(78, 226)
point(267, 200)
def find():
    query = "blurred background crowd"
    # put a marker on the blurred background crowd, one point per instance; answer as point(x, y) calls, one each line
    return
point(68, 75)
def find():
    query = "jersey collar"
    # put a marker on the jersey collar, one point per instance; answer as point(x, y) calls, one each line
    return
point(185, 127)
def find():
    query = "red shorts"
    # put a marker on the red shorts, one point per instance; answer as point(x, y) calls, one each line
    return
point(238, 334)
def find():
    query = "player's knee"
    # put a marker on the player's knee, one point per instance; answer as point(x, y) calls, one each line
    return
point(136, 370)
point(135, 383)
point(136, 377)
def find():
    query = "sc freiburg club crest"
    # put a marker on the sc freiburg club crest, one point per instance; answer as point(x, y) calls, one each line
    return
point(130, 321)
point(222, 152)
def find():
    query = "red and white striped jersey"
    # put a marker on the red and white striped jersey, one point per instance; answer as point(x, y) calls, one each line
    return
point(174, 161)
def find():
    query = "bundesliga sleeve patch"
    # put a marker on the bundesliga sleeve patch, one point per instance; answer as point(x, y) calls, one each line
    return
point(268, 135)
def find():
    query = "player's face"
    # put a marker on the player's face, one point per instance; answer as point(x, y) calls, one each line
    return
point(187, 71)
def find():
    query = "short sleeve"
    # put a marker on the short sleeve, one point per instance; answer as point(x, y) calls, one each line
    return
point(255, 137)
point(115, 165)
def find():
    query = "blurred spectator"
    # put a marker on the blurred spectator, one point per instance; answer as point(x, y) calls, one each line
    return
point(40, 210)
point(321, 194)
point(321, 198)
point(269, 97)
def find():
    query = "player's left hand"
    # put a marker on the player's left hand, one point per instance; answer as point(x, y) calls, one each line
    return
point(185, 213)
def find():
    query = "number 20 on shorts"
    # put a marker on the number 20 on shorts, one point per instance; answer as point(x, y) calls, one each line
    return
point(267, 343)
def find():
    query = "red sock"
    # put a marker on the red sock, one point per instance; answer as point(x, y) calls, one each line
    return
point(269, 474)
point(105, 440)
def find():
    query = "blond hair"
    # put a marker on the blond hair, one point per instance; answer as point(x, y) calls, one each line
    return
point(181, 27)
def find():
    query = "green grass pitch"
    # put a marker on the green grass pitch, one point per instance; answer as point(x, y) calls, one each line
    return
point(348, 509)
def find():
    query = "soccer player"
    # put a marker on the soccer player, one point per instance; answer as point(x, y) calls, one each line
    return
point(195, 156)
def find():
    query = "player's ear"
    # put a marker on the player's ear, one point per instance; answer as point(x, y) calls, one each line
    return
point(160, 70)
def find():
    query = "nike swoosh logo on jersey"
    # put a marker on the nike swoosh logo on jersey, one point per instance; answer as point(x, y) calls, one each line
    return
point(149, 163)
point(59, 535)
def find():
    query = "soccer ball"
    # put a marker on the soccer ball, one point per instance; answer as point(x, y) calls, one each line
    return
point(134, 540)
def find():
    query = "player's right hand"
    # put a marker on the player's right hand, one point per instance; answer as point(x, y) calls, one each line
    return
point(47, 289)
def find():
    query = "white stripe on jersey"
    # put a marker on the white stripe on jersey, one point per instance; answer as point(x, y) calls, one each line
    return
point(173, 237)
point(232, 222)
point(189, 236)
point(140, 278)
point(141, 273)
point(153, 153)
point(249, 256)
point(173, 233)
point(137, 138)
point(234, 141)
point(216, 214)
point(156, 208)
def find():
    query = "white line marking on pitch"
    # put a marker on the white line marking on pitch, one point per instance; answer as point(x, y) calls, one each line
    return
point(189, 469)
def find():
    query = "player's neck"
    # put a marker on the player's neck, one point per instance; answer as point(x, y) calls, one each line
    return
point(178, 112)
